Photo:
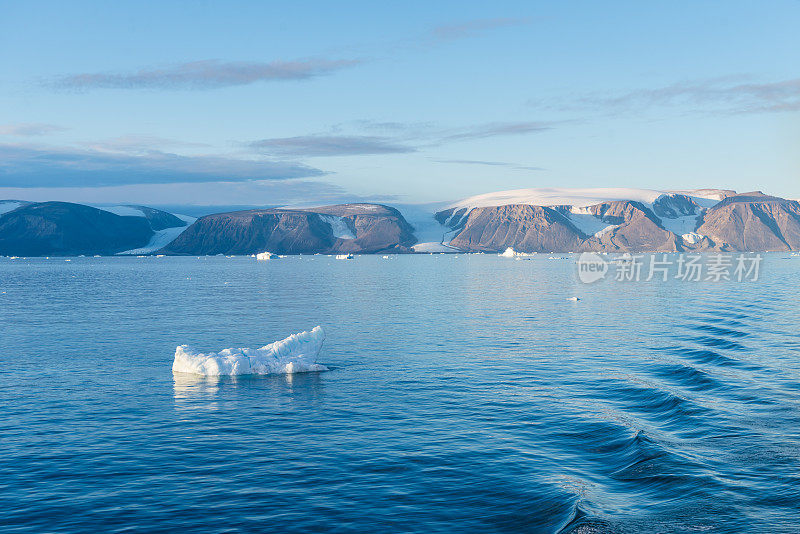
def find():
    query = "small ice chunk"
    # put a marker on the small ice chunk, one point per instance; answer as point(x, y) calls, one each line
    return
point(692, 237)
point(509, 253)
point(295, 354)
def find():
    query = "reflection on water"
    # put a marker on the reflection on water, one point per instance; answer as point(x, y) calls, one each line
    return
point(204, 393)
point(196, 392)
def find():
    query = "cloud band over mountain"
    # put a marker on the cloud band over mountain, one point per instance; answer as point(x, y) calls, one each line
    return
point(22, 166)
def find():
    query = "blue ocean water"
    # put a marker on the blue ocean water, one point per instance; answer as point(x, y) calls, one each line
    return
point(466, 394)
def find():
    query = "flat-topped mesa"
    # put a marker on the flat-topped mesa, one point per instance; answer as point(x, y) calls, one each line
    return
point(356, 228)
point(524, 228)
point(372, 228)
point(68, 229)
point(753, 222)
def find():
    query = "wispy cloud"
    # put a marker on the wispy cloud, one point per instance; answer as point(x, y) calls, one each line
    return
point(490, 164)
point(729, 95)
point(227, 195)
point(29, 129)
point(330, 145)
point(396, 138)
point(474, 28)
point(494, 129)
point(140, 144)
point(25, 166)
point(207, 74)
point(214, 196)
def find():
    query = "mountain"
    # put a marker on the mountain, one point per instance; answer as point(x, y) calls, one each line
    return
point(527, 220)
point(754, 222)
point(345, 228)
point(621, 220)
point(68, 229)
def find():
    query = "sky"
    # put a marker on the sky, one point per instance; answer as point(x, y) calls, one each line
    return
point(280, 103)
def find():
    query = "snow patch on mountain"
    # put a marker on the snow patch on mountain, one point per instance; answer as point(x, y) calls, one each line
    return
point(123, 211)
point(680, 225)
point(587, 223)
point(9, 205)
point(708, 194)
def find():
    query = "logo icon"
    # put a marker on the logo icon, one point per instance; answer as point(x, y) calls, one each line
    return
point(591, 267)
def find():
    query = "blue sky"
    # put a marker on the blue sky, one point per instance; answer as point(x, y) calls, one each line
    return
point(269, 103)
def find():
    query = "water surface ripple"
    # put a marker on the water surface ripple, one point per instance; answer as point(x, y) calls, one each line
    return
point(466, 394)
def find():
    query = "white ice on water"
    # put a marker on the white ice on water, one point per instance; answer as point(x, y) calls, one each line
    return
point(511, 253)
point(295, 354)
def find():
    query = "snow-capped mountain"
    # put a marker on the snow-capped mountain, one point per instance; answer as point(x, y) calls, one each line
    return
point(621, 219)
point(65, 229)
point(528, 220)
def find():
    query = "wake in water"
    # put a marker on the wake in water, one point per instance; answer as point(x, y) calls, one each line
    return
point(295, 354)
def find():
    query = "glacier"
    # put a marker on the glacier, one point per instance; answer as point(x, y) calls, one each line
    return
point(295, 354)
point(161, 238)
point(338, 226)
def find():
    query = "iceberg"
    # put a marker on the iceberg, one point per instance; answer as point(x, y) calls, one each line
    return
point(511, 253)
point(295, 354)
point(266, 256)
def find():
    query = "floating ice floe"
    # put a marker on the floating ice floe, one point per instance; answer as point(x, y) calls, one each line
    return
point(344, 256)
point(266, 256)
point(295, 354)
point(511, 253)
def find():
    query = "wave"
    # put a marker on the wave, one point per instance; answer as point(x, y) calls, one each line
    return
point(719, 331)
point(687, 376)
point(295, 354)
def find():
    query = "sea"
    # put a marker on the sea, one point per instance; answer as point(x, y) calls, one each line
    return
point(465, 393)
